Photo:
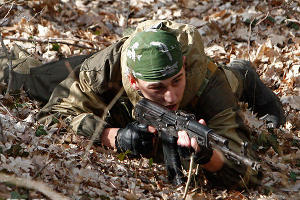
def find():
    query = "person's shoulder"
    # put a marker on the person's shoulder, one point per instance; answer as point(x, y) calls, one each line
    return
point(110, 53)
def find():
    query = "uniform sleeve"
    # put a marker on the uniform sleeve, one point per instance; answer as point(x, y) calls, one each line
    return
point(219, 107)
point(82, 97)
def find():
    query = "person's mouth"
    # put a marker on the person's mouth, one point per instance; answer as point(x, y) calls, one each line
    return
point(171, 107)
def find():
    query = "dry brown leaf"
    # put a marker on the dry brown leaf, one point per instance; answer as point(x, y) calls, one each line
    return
point(196, 196)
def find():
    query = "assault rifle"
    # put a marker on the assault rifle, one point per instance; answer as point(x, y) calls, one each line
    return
point(152, 114)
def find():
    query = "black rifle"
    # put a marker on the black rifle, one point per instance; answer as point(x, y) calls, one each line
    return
point(170, 122)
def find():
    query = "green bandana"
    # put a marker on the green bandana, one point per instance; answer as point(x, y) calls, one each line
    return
point(154, 55)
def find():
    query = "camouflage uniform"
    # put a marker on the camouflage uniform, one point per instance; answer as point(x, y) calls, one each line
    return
point(37, 79)
point(82, 97)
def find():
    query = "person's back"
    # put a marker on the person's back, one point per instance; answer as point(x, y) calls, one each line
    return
point(210, 92)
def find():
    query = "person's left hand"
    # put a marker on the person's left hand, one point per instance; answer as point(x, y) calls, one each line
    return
point(202, 154)
point(185, 141)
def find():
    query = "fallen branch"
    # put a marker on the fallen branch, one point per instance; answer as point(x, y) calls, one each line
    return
point(31, 184)
point(52, 41)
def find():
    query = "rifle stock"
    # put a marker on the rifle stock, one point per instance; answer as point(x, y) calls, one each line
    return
point(170, 122)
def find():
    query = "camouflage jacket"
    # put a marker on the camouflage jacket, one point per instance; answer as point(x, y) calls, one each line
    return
point(83, 96)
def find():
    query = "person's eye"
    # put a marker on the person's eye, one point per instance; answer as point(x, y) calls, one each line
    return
point(177, 80)
point(157, 88)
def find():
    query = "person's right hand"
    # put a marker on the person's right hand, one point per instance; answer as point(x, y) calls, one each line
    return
point(135, 138)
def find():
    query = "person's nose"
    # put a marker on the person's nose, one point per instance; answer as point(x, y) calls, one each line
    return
point(170, 96)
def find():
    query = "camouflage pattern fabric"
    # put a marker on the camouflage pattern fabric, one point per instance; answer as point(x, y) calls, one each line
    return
point(192, 48)
point(37, 79)
point(154, 55)
point(218, 106)
point(81, 98)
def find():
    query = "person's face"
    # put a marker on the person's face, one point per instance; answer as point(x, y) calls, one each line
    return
point(168, 93)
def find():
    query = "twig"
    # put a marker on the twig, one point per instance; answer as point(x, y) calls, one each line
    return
point(250, 30)
point(53, 41)
point(70, 39)
point(40, 170)
point(10, 76)
point(127, 15)
point(4, 18)
point(2, 136)
point(100, 125)
point(243, 181)
point(47, 159)
point(36, 14)
point(189, 176)
point(31, 184)
point(293, 20)
point(98, 130)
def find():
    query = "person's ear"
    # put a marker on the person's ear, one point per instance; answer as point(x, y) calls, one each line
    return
point(183, 61)
point(133, 82)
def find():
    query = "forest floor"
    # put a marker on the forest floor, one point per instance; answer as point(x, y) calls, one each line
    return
point(39, 162)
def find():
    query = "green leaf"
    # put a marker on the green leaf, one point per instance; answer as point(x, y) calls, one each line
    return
point(122, 156)
point(19, 105)
point(40, 131)
point(16, 150)
point(102, 197)
point(262, 139)
point(293, 25)
point(298, 163)
point(150, 162)
point(270, 19)
point(55, 47)
point(97, 32)
point(295, 143)
point(55, 120)
point(247, 22)
point(267, 140)
point(293, 176)
point(16, 195)
point(272, 139)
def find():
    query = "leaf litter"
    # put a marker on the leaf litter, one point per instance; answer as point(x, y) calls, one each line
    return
point(264, 32)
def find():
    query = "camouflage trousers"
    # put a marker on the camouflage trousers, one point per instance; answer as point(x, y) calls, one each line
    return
point(37, 79)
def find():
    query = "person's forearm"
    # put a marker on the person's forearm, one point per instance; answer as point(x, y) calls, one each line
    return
point(108, 137)
point(216, 162)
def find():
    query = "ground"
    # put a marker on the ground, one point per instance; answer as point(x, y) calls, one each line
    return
point(63, 165)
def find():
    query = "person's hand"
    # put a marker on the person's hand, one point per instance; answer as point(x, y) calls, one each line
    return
point(136, 138)
point(202, 154)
